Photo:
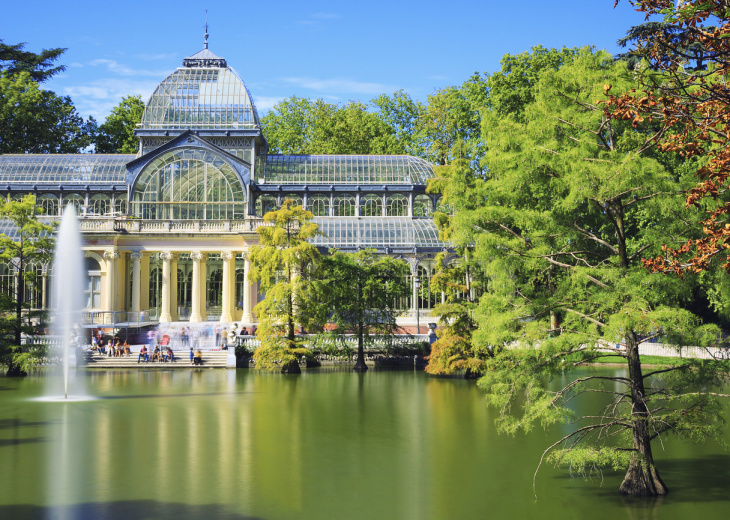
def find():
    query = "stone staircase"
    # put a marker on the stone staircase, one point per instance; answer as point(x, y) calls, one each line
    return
point(211, 359)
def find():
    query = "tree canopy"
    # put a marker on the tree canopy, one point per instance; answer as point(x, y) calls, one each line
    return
point(34, 244)
point(684, 93)
point(283, 263)
point(116, 134)
point(569, 202)
point(42, 66)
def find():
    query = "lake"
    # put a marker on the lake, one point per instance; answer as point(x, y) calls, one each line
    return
point(329, 443)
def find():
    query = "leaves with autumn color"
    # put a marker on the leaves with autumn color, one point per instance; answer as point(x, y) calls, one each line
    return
point(683, 92)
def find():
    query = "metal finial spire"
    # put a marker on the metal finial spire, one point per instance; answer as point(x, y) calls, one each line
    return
point(206, 28)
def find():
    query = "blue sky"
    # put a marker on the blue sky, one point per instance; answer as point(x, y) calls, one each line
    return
point(337, 51)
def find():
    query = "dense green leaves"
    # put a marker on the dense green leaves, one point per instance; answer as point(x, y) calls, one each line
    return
point(116, 134)
point(40, 66)
point(34, 244)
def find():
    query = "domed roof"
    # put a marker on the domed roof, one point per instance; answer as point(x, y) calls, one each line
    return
point(203, 94)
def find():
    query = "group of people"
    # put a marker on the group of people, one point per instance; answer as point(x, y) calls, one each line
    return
point(157, 355)
point(112, 348)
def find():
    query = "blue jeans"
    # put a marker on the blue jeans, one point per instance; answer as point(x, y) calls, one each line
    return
point(146, 358)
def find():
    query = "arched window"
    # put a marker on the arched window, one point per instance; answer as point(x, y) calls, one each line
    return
point(239, 289)
point(99, 205)
point(319, 205)
point(7, 279)
point(426, 297)
point(155, 300)
point(120, 205)
point(422, 206)
point(184, 288)
point(296, 198)
point(188, 184)
point(371, 206)
point(397, 206)
point(49, 204)
point(344, 206)
point(77, 201)
point(215, 289)
point(264, 204)
point(34, 285)
point(92, 291)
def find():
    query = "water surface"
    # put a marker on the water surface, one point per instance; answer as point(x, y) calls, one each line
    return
point(327, 444)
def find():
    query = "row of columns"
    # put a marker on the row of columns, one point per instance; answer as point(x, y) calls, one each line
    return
point(168, 307)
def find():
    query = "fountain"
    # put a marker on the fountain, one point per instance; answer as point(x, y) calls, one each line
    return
point(67, 294)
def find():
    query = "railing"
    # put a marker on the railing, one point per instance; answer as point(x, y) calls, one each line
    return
point(117, 317)
point(127, 225)
point(345, 342)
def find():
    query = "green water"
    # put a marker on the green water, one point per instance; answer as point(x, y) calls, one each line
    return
point(326, 444)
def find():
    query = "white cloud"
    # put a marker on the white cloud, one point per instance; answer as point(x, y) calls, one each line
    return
point(123, 70)
point(316, 18)
point(97, 98)
point(265, 103)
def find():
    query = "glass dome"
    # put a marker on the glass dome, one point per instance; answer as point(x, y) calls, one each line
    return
point(201, 98)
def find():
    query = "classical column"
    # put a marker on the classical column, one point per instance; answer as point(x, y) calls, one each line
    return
point(136, 282)
point(229, 260)
point(196, 313)
point(413, 262)
point(111, 279)
point(173, 286)
point(247, 314)
point(44, 288)
point(165, 316)
point(204, 287)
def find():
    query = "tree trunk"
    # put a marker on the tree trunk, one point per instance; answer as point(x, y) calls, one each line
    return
point(291, 367)
point(642, 478)
point(14, 370)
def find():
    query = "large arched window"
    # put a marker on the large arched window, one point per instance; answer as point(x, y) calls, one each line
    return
point(264, 204)
point(99, 204)
point(294, 197)
point(188, 184)
point(76, 200)
point(422, 206)
point(371, 206)
point(319, 205)
point(397, 206)
point(49, 203)
point(120, 205)
point(344, 206)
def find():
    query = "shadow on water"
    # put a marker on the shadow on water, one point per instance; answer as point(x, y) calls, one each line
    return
point(7, 424)
point(122, 510)
point(18, 442)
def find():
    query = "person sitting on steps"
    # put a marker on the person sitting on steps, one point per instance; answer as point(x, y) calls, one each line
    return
point(143, 353)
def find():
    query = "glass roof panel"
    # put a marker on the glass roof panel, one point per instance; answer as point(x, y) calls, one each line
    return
point(200, 98)
point(346, 169)
point(83, 169)
point(377, 233)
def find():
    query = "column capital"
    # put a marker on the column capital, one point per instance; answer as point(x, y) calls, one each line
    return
point(167, 256)
point(197, 255)
point(227, 255)
point(136, 255)
point(111, 255)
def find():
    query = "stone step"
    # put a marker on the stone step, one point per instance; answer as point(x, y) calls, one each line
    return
point(211, 359)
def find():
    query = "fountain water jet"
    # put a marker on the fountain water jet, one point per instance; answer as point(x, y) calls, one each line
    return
point(67, 294)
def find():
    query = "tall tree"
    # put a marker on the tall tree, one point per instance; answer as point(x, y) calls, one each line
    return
point(116, 134)
point(362, 289)
point(41, 67)
point(403, 114)
point(285, 265)
point(33, 120)
point(685, 93)
point(33, 243)
point(569, 203)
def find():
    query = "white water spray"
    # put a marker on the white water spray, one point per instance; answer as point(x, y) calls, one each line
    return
point(68, 293)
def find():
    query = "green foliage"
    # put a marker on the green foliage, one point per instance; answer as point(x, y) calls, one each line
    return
point(550, 236)
point(40, 67)
point(362, 289)
point(34, 244)
point(302, 126)
point(38, 121)
point(116, 134)
point(285, 265)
